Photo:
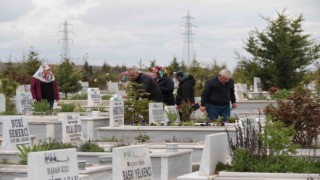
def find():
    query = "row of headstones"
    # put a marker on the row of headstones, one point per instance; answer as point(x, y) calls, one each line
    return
point(15, 131)
point(24, 101)
point(130, 162)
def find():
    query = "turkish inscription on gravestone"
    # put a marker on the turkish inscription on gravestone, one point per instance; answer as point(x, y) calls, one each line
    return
point(53, 165)
point(116, 107)
point(15, 132)
point(94, 97)
point(131, 163)
point(156, 113)
point(71, 128)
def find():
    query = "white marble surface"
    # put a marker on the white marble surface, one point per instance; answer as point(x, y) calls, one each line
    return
point(215, 150)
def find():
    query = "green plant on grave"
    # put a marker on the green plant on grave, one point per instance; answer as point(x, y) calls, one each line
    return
point(172, 115)
point(8, 88)
point(68, 107)
point(270, 150)
point(5, 160)
point(187, 123)
point(42, 106)
point(80, 96)
point(110, 139)
point(136, 105)
point(185, 112)
point(90, 146)
point(142, 138)
point(300, 110)
point(51, 144)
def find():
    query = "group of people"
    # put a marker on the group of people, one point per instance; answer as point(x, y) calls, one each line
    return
point(216, 96)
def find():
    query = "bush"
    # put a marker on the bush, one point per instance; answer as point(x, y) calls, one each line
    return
point(300, 110)
point(42, 146)
point(80, 96)
point(68, 107)
point(41, 106)
point(142, 138)
point(90, 147)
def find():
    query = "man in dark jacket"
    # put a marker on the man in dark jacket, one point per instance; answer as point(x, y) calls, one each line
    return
point(148, 84)
point(165, 84)
point(217, 94)
point(185, 90)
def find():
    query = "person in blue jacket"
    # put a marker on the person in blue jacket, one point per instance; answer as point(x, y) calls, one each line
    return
point(217, 94)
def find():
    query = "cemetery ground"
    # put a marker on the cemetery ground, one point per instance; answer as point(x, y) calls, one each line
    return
point(89, 140)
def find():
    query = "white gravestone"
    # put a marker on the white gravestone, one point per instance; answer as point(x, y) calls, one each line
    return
point(257, 87)
point(84, 85)
point(71, 128)
point(239, 92)
point(116, 111)
point(113, 87)
point(131, 162)
point(94, 97)
point(59, 164)
point(244, 88)
point(156, 113)
point(24, 102)
point(215, 150)
point(171, 110)
point(2, 103)
point(15, 131)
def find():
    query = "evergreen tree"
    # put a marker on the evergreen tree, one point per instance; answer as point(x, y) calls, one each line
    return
point(280, 53)
point(68, 78)
point(33, 62)
point(86, 72)
point(173, 67)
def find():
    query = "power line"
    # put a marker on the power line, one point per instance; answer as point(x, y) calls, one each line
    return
point(65, 52)
point(188, 41)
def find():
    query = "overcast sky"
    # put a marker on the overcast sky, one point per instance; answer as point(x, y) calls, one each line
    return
point(125, 31)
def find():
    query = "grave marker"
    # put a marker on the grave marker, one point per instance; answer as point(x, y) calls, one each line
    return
point(2, 103)
point(71, 128)
point(257, 87)
point(131, 162)
point(15, 131)
point(215, 150)
point(24, 101)
point(59, 164)
point(156, 113)
point(94, 97)
point(116, 111)
point(113, 87)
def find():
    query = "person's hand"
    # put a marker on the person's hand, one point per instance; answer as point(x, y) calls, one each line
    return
point(57, 101)
point(203, 108)
point(234, 105)
point(34, 100)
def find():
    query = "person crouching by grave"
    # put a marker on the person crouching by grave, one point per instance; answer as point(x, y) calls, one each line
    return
point(44, 86)
point(185, 91)
point(217, 94)
point(147, 82)
point(165, 84)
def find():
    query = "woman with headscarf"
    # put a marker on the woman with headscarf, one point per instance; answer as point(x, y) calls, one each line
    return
point(165, 84)
point(44, 86)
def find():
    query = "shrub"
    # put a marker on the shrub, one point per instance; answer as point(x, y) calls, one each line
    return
point(42, 146)
point(300, 110)
point(142, 138)
point(68, 107)
point(41, 106)
point(90, 147)
point(80, 96)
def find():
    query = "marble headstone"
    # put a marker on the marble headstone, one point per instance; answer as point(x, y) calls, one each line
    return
point(71, 128)
point(156, 113)
point(2, 103)
point(55, 164)
point(131, 162)
point(215, 150)
point(113, 87)
point(84, 85)
point(94, 97)
point(24, 102)
point(116, 111)
point(15, 132)
point(257, 87)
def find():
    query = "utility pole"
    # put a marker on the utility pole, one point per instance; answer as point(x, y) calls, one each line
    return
point(188, 40)
point(65, 53)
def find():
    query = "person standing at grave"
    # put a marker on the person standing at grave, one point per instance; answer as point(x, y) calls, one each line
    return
point(165, 84)
point(147, 82)
point(185, 91)
point(217, 94)
point(44, 86)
